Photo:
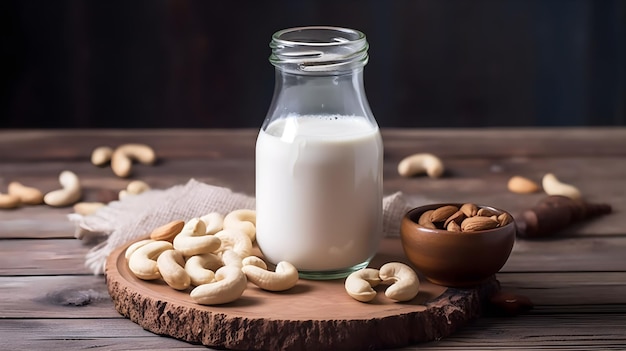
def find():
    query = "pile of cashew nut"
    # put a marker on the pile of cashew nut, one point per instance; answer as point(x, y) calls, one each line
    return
point(212, 254)
point(403, 279)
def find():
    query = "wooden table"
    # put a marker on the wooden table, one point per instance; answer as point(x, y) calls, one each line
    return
point(577, 280)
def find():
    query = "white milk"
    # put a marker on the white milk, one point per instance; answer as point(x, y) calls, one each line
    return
point(319, 192)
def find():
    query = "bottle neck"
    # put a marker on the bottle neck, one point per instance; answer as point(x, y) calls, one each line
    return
point(319, 72)
point(342, 95)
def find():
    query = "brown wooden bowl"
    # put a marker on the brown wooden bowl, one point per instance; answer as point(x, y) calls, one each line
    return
point(455, 259)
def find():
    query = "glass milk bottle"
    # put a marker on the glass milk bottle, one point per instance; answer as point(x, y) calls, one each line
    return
point(319, 156)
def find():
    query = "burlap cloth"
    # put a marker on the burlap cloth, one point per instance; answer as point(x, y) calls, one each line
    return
point(135, 216)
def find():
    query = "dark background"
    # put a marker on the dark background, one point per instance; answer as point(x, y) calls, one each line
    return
point(433, 63)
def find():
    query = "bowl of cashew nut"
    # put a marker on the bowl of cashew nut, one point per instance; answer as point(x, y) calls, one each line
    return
point(457, 245)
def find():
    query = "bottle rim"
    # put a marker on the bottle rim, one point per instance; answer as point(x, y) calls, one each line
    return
point(277, 37)
point(318, 49)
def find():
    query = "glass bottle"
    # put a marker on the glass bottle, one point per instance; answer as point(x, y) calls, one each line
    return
point(319, 156)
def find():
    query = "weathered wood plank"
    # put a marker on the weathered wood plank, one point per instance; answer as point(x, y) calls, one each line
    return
point(475, 180)
point(541, 332)
point(580, 291)
point(506, 142)
point(239, 143)
point(571, 332)
point(75, 145)
point(73, 334)
point(571, 254)
point(55, 297)
point(42, 257)
point(577, 280)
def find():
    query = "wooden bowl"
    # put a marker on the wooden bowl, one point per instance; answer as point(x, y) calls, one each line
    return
point(455, 259)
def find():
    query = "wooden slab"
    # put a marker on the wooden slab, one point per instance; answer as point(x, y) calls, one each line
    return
point(313, 315)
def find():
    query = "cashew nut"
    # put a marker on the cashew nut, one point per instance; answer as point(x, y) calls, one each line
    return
point(28, 195)
point(101, 155)
point(8, 201)
point(201, 268)
point(552, 186)
point(214, 222)
point(231, 258)
point(192, 240)
point(359, 284)
point(230, 282)
point(419, 164)
point(135, 187)
point(122, 194)
point(244, 220)
point(254, 261)
point(134, 246)
point(234, 240)
point(143, 263)
point(405, 284)
point(285, 277)
point(70, 193)
point(87, 208)
point(123, 156)
point(170, 264)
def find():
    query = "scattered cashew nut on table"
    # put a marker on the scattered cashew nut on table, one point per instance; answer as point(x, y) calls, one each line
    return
point(28, 195)
point(69, 194)
point(123, 156)
point(419, 164)
point(552, 186)
point(8, 201)
point(135, 187)
point(101, 155)
point(87, 208)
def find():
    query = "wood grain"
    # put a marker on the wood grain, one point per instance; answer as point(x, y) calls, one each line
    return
point(577, 279)
point(520, 333)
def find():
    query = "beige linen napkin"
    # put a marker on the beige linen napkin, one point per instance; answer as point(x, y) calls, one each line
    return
point(135, 216)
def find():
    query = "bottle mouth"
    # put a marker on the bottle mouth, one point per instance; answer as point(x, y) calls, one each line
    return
point(318, 49)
